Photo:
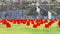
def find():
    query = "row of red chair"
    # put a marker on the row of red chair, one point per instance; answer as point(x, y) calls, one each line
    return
point(35, 23)
point(4, 22)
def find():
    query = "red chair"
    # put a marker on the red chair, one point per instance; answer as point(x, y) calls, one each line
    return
point(46, 26)
point(9, 20)
point(39, 22)
point(31, 21)
point(34, 25)
point(4, 22)
point(59, 23)
point(28, 23)
point(23, 21)
point(49, 24)
point(45, 21)
point(8, 25)
point(55, 19)
point(18, 21)
point(14, 21)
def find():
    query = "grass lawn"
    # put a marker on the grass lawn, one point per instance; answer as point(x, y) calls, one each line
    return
point(23, 29)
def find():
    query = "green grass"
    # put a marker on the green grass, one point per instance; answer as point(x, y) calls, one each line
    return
point(23, 29)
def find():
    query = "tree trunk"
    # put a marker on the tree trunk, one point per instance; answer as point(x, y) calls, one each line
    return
point(49, 15)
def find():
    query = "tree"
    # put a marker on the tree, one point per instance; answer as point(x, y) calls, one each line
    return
point(27, 5)
point(53, 1)
point(51, 8)
point(33, 12)
point(45, 2)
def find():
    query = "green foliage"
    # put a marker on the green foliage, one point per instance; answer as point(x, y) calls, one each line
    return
point(53, 0)
point(52, 8)
point(30, 14)
point(45, 2)
point(2, 0)
point(25, 4)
